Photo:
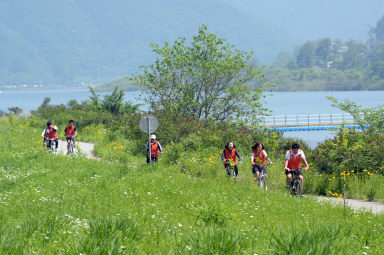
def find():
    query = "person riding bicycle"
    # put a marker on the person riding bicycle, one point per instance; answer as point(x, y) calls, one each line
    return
point(45, 133)
point(70, 134)
point(231, 154)
point(293, 160)
point(156, 150)
point(52, 135)
point(259, 160)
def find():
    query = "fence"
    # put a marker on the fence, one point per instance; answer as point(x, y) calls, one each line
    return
point(323, 119)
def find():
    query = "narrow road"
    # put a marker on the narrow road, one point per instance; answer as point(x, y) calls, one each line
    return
point(86, 148)
point(374, 207)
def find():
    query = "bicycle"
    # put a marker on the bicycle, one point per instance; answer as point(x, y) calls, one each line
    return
point(295, 185)
point(262, 180)
point(51, 146)
point(232, 165)
point(71, 145)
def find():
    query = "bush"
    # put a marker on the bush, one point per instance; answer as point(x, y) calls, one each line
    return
point(351, 150)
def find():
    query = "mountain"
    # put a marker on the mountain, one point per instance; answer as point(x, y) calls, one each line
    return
point(311, 20)
point(68, 42)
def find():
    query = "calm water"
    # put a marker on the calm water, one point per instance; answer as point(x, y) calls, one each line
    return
point(280, 103)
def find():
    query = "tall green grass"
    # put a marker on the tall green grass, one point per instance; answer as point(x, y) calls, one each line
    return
point(53, 204)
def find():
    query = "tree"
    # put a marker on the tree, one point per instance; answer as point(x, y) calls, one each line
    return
point(369, 119)
point(46, 102)
point(306, 55)
point(354, 57)
point(15, 110)
point(376, 59)
point(113, 103)
point(323, 52)
point(379, 30)
point(207, 79)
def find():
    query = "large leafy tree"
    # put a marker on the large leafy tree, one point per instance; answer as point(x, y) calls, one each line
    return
point(206, 79)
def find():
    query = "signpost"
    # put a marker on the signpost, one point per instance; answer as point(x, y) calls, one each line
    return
point(149, 124)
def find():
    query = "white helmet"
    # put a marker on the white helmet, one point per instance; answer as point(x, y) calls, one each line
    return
point(153, 137)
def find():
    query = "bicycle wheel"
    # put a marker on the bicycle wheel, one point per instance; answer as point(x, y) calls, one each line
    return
point(294, 187)
point(71, 147)
point(50, 146)
point(261, 181)
point(299, 189)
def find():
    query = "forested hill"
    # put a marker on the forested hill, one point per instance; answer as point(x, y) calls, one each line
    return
point(71, 41)
point(68, 41)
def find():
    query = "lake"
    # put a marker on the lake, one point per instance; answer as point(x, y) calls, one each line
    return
point(280, 103)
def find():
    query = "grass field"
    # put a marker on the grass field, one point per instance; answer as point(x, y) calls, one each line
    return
point(72, 205)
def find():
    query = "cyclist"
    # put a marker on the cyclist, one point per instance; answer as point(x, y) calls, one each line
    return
point(52, 135)
point(156, 150)
point(70, 134)
point(231, 154)
point(259, 160)
point(293, 161)
point(44, 135)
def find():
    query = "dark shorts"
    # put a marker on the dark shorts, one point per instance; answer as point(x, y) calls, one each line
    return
point(289, 172)
point(259, 169)
point(69, 138)
point(154, 159)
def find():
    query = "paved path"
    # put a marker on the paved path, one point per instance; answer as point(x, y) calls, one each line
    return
point(86, 148)
point(373, 207)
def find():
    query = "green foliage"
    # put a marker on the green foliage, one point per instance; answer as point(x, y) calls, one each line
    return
point(212, 215)
point(207, 79)
point(15, 110)
point(307, 240)
point(215, 240)
point(351, 150)
point(369, 119)
point(112, 103)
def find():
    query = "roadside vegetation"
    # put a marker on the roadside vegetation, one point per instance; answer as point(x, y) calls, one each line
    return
point(60, 204)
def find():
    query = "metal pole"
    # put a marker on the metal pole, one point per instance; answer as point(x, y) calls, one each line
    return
point(319, 118)
point(308, 121)
point(331, 119)
point(297, 120)
point(344, 191)
point(149, 142)
point(285, 120)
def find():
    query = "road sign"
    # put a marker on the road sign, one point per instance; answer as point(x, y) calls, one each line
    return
point(149, 123)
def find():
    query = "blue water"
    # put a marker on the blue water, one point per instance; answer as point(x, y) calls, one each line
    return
point(280, 103)
point(31, 100)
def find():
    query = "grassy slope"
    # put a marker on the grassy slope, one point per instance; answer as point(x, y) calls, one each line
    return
point(56, 204)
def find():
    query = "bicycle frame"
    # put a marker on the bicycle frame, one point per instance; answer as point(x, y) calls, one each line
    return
point(71, 146)
point(51, 145)
point(262, 182)
point(296, 185)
